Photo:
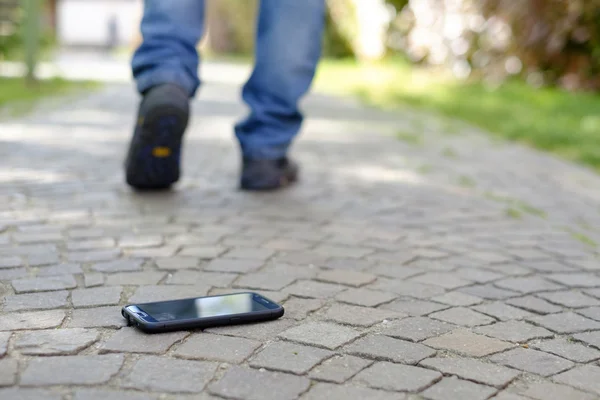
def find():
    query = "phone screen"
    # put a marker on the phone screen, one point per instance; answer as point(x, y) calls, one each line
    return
point(203, 307)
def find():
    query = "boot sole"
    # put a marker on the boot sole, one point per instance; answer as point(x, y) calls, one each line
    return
point(154, 158)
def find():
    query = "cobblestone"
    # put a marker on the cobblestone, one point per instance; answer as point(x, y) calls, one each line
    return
point(101, 317)
point(416, 329)
point(11, 262)
point(365, 297)
point(445, 280)
point(289, 357)
point(590, 338)
point(488, 292)
point(299, 309)
point(59, 269)
point(214, 279)
point(474, 370)
point(458, 389)
point(501, 311)
point(16, 393)
point(359, 316)
point(381, 347)
point(541, 391)
point(585, 377)
point(457, 299)
point(397, 377)
point(36, 301)
point(591, 312)
point(335, 392)
point(312, 289)
point(74, 370)
point(462, 316)
point(264, 280)
point(103, 394)
point(570, 350)
point(409, 289)
point(55, 342)
point(150, 293)
point(135, 278)
point(514, 331)
point(244, 383)
point(4, 336)
point(339, 369)
point(533, 361)
point(31, 320)
point(372, 258)
point(102, 296)
point(262, 331)
point(233, 266)
point(8, 371)
point(176, 263)
point(570, 299)
point(44, 284)
point(415, 308)
point(534, 304)
point(509, 396)
point(468, 343)
point(217, 348)
point(584, 280)
point(324, 334)
point(162, 374)
point(93, 279)
point(344, 277)
point(133, 341)
point(527, 284)
point(566, 322)
point(126, 265)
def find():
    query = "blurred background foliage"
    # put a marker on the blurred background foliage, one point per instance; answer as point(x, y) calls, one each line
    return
point(12, 22)
point(545, 42)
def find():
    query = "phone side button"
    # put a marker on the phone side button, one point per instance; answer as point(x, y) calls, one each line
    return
point(235, 319)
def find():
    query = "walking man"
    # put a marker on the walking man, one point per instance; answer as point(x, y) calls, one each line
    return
point(165, 68)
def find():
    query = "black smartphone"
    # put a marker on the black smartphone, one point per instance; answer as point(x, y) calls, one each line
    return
point(201, 312)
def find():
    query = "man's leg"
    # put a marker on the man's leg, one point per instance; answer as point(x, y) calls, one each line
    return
point(288, 48)
point(165, 68)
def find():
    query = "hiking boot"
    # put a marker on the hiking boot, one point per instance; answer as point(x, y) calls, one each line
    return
point(268, 174)
point(153, 160)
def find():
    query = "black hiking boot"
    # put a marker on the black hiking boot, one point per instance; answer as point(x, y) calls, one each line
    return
point(261, 175)
point(153, 160)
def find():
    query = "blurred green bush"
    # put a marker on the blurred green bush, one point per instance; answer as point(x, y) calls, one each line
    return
point(12, 21)
point(545, 42)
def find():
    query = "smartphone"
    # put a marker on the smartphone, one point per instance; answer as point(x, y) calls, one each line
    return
point(201, 312)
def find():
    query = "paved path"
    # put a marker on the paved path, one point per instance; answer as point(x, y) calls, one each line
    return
point(444, 265)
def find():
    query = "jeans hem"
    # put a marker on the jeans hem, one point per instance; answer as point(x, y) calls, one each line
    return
point(162, 76)
point(264, 153)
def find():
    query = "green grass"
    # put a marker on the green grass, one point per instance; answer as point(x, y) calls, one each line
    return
point(425, 169)
point(583, 238)
point(514, 213)
point(410, 138)
point(566, 124)
point(449, 153)
point(466, 181)
point(18, 96)
point(516, 206)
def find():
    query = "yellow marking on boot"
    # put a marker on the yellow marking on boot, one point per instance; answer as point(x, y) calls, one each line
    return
point(161, 152)
point(140, 121)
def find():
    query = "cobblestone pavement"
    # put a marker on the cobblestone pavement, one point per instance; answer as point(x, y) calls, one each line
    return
point(440, 266)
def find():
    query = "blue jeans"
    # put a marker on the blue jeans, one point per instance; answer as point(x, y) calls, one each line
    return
point(288, 48)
